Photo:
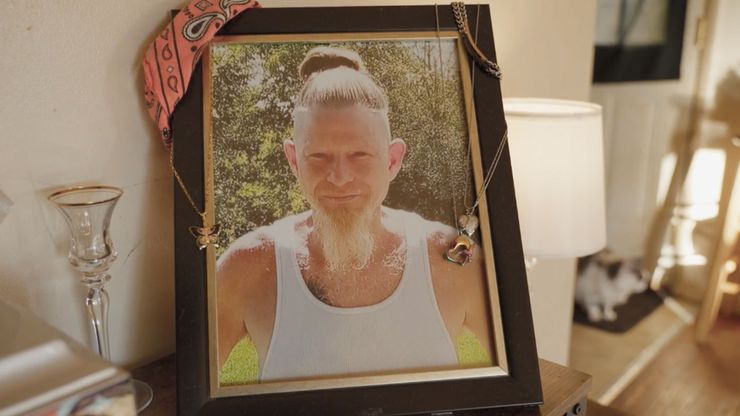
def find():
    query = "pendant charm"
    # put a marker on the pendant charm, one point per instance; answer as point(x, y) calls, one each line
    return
point(206, 236)
point(467, 224)
point(461, 250)
point(462, 247)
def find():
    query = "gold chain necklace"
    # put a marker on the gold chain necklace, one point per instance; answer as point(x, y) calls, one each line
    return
point(462, 247)
point(205, 235)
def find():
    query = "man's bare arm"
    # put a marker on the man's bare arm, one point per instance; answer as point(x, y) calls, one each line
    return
point(245, 297)
point(229, 289)
point(477, 311)
point(461, 291)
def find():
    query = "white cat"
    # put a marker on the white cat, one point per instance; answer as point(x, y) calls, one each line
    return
point(605, 281)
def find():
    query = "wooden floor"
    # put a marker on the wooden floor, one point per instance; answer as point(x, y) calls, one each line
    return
point(686, 379)
point(607, 356)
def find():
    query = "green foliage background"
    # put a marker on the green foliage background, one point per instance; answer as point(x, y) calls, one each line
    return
point(254, 85)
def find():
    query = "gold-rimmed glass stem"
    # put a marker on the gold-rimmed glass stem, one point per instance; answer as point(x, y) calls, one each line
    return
point(87, 210)
point(98, 303)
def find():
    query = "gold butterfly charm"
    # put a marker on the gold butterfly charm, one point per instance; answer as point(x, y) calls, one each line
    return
point(206, 236)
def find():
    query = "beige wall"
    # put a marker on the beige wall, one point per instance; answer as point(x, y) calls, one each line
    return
point(72, 113)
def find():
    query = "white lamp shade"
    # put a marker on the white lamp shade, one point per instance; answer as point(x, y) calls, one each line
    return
point(557, 160)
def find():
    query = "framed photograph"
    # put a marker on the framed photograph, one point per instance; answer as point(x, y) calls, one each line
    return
point(338, 149)
point(639, 41)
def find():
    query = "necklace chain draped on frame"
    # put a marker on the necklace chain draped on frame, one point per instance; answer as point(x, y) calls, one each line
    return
point(462, 247)
point(204, 235)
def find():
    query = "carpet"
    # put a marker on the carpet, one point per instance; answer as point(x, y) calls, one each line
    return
point(638, 306)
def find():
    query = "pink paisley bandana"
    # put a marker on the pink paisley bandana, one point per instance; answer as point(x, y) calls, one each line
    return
point(171, 58)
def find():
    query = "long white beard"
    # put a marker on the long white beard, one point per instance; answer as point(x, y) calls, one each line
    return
point(345, 237)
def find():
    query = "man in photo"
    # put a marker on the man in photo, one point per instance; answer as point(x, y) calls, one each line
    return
point(349, 287)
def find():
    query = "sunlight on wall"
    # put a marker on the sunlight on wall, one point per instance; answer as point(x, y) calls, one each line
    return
point(699, 201)
point(667, 165)
point(703, 186)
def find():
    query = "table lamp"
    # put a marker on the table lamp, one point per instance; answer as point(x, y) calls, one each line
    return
point(558, 167)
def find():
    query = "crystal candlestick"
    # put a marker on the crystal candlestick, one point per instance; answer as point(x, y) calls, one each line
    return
point(87, 211)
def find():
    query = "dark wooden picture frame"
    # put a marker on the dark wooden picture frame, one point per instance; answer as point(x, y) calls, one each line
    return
point(520, 386)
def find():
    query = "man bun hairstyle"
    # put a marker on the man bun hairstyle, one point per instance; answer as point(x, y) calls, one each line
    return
point(323, 58)
point(337, 78)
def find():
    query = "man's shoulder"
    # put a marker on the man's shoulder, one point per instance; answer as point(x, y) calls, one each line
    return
point(254, 244)
point(433, 231)
point(440, 235)
point(247, 261)
point(265, 237)
point(255, 250)
point(445, 273)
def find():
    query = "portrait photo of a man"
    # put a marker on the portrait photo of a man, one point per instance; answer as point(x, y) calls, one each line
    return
point(339, 168)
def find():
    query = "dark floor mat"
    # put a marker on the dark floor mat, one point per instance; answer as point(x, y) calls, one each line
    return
point(628, 315)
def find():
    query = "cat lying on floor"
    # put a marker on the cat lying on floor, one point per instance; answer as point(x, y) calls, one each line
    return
point(605, 281)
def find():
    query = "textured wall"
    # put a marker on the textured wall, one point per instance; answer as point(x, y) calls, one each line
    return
point(72, 113)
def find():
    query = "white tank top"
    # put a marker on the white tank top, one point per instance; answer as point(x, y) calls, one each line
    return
point(403, 332)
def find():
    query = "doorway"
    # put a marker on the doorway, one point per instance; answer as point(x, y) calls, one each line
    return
point(646, 78)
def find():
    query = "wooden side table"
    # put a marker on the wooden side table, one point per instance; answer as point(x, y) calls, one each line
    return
point(564, 391)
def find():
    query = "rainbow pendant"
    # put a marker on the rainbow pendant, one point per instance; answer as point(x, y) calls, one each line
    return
point(462, 247)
